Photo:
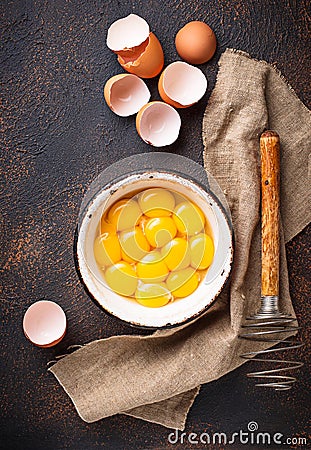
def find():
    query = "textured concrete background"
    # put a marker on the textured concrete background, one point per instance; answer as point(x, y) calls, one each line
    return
point(58, 135)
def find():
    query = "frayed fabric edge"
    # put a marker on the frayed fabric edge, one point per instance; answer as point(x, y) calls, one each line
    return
point(263, 62)
point(180, 426)
point(70, 349)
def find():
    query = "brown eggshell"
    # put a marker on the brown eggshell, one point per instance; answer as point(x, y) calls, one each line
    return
point(181, 84)
point(108, 86)
point(158, 124)
point(127, 32)
point(44, 323)
point(131, 54)
point(125, 94)
point(165, 97)
point(196, 42)
point(146, 60)
point(52, 344)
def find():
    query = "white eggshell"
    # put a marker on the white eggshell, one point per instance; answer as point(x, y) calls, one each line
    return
point(125, 94)
point(183, 83)
point(158, 124)
point(44, 323)
point(127, 32)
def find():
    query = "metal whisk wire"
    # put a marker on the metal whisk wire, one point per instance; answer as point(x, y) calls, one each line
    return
point(270, 325)
point(269, 328)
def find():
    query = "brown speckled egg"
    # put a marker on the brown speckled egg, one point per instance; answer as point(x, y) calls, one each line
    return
point(196, 42)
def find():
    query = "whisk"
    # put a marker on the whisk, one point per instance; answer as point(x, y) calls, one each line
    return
point(270, 325)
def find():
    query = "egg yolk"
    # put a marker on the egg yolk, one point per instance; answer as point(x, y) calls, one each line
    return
point(156, 202)
point(121, 278)
point(182, 282)
point(106, 227)
point(134, 245)
point(176, 254)
point(154, 247)
point(201, 251)
point(188, 218)
point(160, 230)
point(107, 249)
point(115, 210)
point(152, 295)
point(142, 222)
point(152, 268)
point(124, 214)
point(201, 274)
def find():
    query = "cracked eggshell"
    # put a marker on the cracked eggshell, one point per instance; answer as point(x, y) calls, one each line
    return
point(125, 94)
point(158, 124)
point(126, 33)
point(146, 60)
point(45, 323)
point(139, 51)
point(181, 85)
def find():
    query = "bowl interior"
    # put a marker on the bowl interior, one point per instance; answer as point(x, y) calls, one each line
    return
point(180, 310)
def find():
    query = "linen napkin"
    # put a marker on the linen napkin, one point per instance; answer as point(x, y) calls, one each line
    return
point(157, 377)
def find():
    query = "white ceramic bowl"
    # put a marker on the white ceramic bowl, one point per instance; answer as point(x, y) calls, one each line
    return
point(181, 310)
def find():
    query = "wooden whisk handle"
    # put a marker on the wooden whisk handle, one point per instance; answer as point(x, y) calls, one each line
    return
point(270, 203)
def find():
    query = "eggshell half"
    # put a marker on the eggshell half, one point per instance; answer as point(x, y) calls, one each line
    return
point(125, 94)
point(158, 124)
point(44, 323)
point(181, 85)
point(128, 32)
point(146, 60)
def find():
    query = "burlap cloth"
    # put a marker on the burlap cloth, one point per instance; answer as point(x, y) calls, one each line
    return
point(157, 377)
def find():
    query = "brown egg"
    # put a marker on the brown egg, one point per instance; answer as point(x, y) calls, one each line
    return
point(196, 42)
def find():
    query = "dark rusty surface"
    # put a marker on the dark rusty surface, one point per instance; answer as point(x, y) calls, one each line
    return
point(58, 135)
